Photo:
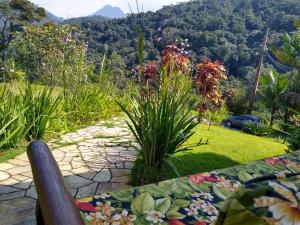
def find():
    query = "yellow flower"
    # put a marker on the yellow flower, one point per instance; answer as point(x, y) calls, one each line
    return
point(283, 211)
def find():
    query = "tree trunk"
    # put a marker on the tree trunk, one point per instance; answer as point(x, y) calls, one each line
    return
point(273, 111)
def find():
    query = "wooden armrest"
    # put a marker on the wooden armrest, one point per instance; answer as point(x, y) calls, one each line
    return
point(55, 201)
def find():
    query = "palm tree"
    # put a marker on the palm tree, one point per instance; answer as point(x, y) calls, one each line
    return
point(273, 89)
point(289, 54)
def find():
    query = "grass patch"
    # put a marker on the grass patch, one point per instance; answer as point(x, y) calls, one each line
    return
point(225, 148)
point(11, 153)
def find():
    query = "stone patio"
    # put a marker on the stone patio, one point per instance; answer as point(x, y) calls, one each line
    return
point(93, 160)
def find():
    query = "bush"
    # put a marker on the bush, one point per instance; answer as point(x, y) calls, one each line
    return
point(294, 140)
point(161, 122)
point(42, 108)
point(87, 104)
point(259, 129)
point(12, 121)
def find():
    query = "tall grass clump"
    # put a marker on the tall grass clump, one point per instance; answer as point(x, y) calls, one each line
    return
point(12, 121)
point(161, 122)
point(87, 104)
point(42, 108)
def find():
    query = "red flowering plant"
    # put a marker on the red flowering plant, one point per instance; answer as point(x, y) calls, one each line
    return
point(175, 60)
point(160, 115)
point(207, 82)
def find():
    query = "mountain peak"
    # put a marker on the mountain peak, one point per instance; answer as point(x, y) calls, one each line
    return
point(110, 12)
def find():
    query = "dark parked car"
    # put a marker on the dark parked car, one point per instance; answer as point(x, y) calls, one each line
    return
point(240, 121)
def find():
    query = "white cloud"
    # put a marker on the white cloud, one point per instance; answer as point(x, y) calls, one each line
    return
point(77, 8)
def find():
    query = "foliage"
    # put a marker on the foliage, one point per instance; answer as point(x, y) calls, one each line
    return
point(207, 84)
point(294, 140)
point(12, 73)
point(12, 122)
point(235, 93)
point(41, 110)
point(229, 30)
point(88, 104)
point(13, 15)
point(52, 54)
point(289, 52)
point(273, 87)
point(258, 129)
point(161, 123)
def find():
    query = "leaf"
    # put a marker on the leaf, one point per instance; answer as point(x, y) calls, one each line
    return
point(244, 176)
point(162, 205)
point(124, 196)
point(141, 203)
point(181, 203)
point(202, 187)
point(174, 214)
point(182, 189)
point(156, 191)
point(221, 192)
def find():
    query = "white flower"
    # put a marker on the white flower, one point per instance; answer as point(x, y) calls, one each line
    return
point(191, 211)
point(207, 196)
point(154, 216)
point(196, 195)
point(213, 218)
point(209, 209)
point(197, 204)
point(104, 196)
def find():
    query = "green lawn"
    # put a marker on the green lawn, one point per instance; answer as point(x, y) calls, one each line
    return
point(225, 148)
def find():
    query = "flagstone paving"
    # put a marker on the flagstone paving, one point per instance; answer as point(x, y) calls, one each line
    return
point(93, 160)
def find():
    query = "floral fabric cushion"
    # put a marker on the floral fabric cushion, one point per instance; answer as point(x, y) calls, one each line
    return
point(269, 200)
point(195, 200)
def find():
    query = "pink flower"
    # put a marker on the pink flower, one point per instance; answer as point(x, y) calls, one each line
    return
point(274, 161)
point(200, 178)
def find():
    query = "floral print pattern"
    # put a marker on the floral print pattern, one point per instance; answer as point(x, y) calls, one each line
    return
point(202, 199)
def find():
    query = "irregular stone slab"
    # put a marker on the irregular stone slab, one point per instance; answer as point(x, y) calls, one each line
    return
point(13, 195)
point(120, 172)
point(31, 192)
point(18, 162)
point(6, 166)
point(76, 181)
point(124, 179)
point(19, 170)
point(18, 212)
point(20, 177)
point(23, 157)
point(7, 189)
point(86, 191)
point(109, 187)
point(4, 176)
point(129, 165)
point(103, 176)
point(24, 185)
point(10, 182)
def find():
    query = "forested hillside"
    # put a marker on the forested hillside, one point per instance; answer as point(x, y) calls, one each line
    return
point(230, 30)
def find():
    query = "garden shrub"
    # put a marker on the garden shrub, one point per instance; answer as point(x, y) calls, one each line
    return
point(258, 129)
point(160, 121)
point(41, 109)
point(294, 140)
point(12, 121)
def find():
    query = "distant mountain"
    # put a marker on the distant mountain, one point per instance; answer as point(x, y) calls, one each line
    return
point(110, 12)
point(52, 17)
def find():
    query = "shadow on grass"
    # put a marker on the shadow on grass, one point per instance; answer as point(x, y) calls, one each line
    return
point(192, 163)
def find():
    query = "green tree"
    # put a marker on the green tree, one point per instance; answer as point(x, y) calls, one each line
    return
point(14, 14)
point(273, 88)
point(289, 54)
point(52, 54)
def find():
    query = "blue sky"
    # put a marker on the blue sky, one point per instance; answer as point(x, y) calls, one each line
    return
point(77, 8)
